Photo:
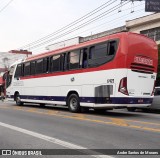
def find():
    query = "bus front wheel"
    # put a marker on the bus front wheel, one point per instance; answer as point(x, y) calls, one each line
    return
point(18, 100)
point(73, 103)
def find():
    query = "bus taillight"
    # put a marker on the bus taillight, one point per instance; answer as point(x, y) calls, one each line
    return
point(123, 86)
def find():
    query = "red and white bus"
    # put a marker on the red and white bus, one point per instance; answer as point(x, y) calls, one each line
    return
point(115, 71)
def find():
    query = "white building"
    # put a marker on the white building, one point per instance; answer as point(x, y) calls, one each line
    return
point(66, 43)
point(148, 25)
point(8, 58)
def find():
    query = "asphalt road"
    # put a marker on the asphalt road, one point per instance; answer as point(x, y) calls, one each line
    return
point(33, 127)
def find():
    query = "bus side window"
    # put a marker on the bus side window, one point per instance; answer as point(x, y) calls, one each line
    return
point(84, 58)
point(56, 63)
point(112, 47)
point(18, 72)
point(74, 59)
point(91, 52)
point(27, 69)
point(39, 66)
point(45, 65)
point(33, 65)
point(97, 54)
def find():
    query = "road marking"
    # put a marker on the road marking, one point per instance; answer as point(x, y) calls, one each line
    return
point(55, 141)
point(31, 110)
point(151, 123)
point(52, 112)
point(117, 122)
point(76, 115)
point(79, 115)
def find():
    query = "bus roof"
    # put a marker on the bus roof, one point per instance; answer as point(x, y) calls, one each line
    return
point(85, 44)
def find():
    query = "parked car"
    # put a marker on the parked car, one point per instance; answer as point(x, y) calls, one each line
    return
point(155, 104)
point(156, 99)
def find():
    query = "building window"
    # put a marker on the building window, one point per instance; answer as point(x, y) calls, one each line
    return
point(152, 33)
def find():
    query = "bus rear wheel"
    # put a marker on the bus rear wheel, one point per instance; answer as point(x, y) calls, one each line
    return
point(18, 100)
point(73, 103)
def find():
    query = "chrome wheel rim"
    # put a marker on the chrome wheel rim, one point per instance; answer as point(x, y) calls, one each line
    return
point(73, 103)
point(18, 100)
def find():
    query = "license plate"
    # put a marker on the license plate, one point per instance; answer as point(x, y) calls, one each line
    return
point(140, 100)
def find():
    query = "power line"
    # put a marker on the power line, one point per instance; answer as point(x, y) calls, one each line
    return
point(75, 28)
point(6, 6)
point(68, 26)
point(108, 22)
point(73, 23)
point(82, 25)
point(115, 18)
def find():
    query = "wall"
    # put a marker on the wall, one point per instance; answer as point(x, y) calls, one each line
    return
point(143, 23)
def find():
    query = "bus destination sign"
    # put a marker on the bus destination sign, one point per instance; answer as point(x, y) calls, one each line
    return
point(143, 60)
point(152, 6)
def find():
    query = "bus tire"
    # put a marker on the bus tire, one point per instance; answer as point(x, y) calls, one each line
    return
point(18, 100)
point(131, 109)
point(73, 103)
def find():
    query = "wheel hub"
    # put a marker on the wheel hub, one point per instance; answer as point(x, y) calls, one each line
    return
point(73, 103)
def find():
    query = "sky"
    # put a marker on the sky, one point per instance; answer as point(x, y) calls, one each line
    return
point(25, 21)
